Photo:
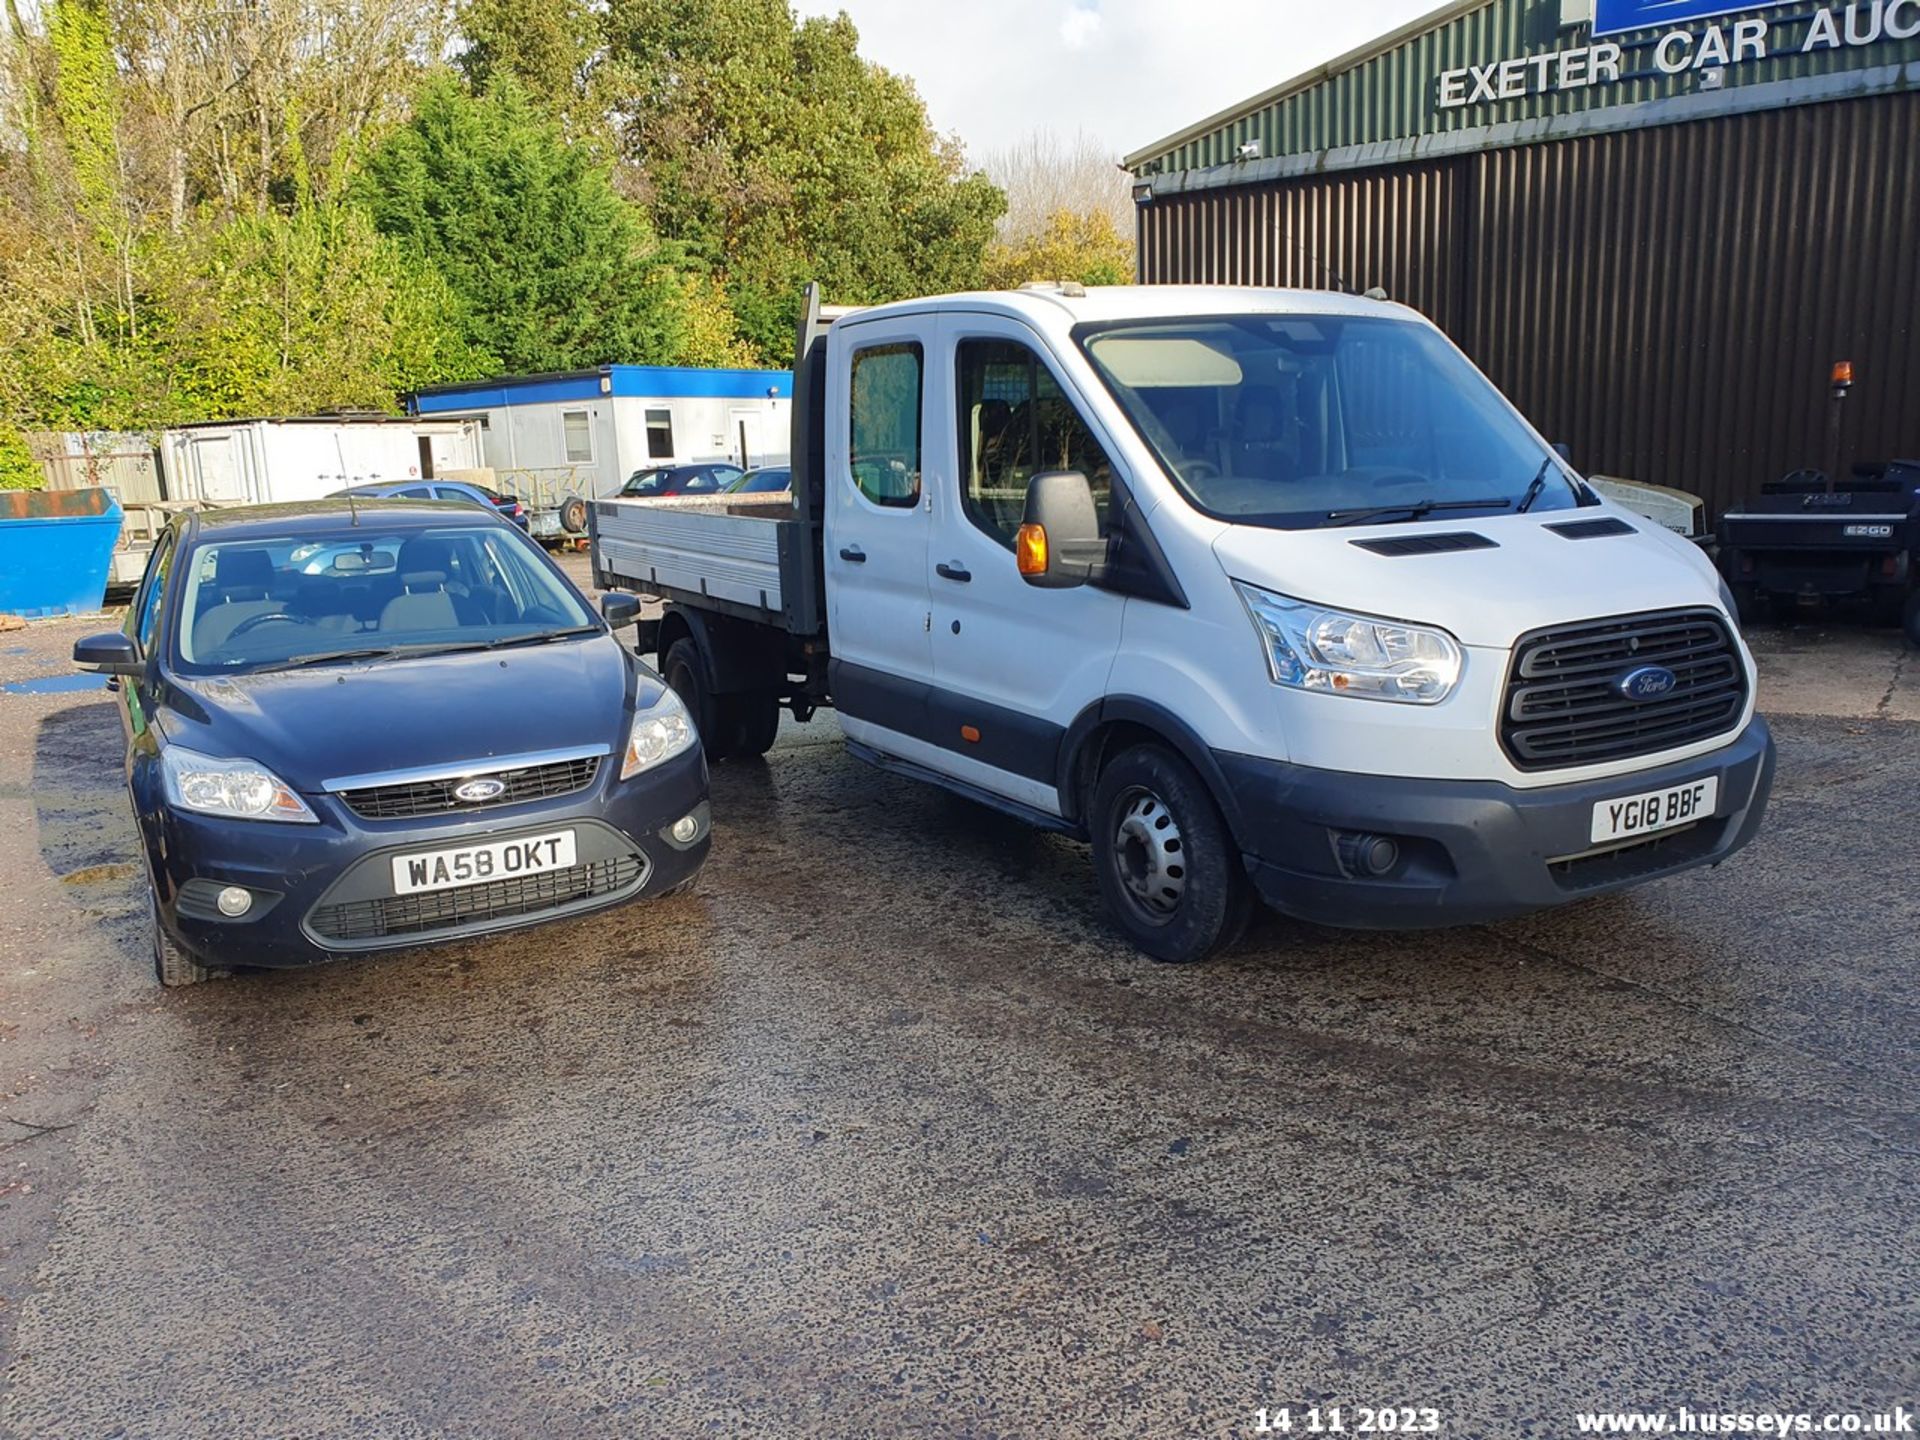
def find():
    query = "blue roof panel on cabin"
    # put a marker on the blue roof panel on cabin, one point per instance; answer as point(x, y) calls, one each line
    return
point(649, 382)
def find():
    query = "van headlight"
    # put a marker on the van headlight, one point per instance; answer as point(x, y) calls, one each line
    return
point(237, 789)
point(1312, 648)
point(660, 732)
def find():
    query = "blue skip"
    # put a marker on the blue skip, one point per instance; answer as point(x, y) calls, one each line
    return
point(56, 548)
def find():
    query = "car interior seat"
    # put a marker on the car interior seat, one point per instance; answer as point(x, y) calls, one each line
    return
point(243, 579)
point(422, 604)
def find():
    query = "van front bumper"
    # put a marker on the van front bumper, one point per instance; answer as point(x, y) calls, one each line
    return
point(1470, 850)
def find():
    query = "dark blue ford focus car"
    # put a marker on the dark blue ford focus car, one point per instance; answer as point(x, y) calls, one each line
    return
point(358, 726)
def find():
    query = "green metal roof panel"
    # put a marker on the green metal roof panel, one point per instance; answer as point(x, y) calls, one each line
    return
point(1391, 89)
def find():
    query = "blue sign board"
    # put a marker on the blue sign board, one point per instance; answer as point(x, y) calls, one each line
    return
point(1610, 17)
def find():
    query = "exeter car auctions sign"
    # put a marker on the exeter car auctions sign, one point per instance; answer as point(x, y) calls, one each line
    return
point(1829, 27)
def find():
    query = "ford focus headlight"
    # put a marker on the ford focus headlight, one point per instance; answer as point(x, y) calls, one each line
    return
point(1312, 648)
point(660, 732)
point(237, 789)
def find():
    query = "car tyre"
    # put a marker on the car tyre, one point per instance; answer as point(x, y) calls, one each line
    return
point(756, 721)
point(573, 516)
point(173, 966)
point(686, 674)
point(1911, 620)
point(1167, 866)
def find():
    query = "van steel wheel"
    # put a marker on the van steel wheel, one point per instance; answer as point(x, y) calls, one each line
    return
point(680, 667)
point(1168, 870)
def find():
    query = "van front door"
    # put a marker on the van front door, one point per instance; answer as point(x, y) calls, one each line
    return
point(876, 531)
point(1012, 665)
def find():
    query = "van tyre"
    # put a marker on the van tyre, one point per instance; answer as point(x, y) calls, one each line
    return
point(1168, 868)
point(685, 673)
point(756, 721)
point(1911, 620)
point(173, 966)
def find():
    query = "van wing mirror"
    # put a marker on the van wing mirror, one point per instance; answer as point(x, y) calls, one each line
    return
point(619, 611)
point(1059, 544)
point(109, 653)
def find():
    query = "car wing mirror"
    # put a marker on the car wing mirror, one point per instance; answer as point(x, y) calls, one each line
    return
point(109, 653)
point(620, 611)
point(1059, 544)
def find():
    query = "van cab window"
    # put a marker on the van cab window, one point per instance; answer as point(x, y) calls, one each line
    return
point(884, 450)
point(1293, 421)
point(1016, 422)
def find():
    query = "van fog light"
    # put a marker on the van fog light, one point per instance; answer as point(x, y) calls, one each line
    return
point(685, 828)
point(1366, 856)
point(234, 901)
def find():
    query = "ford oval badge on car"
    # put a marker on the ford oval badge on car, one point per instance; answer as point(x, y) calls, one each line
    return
point(1646, 682)
point(478, 792)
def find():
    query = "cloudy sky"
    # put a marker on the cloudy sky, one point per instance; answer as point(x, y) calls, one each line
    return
point(1125, 71)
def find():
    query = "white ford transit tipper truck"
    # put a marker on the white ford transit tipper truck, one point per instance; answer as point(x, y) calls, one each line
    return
point(1262, 592)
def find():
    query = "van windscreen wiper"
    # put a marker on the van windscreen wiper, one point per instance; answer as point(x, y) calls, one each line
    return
point(1414, 510)
point(1535, 486)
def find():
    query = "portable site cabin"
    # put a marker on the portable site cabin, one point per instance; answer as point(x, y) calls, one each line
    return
point(585, 432)
point(251, 462)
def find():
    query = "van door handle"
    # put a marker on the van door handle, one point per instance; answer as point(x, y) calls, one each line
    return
point(853, 554)
point(955, 571)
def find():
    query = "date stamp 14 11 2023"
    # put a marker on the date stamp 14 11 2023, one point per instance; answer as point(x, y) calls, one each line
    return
point(1346, 1420)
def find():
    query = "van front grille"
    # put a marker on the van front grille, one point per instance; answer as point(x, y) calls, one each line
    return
point(1563, 705)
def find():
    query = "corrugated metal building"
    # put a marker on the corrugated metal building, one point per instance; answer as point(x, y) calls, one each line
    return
point(1655, 235)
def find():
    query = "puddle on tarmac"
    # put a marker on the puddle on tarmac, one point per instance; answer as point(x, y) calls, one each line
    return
point(55, 684)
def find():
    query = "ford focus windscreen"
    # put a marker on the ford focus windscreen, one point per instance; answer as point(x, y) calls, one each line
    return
point(1298, 421)
point(261, 604)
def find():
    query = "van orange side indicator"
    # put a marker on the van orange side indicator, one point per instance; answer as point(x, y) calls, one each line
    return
point(1030, 549)
point(970, 734)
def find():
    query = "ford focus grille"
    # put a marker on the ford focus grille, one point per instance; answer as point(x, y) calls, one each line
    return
point(1564, 707)
point(437, 797)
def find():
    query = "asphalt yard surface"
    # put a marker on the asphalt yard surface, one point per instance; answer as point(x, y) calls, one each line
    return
point(880, 1132)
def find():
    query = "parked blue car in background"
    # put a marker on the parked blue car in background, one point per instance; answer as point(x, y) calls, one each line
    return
point(767, 480)
point(356, 727)
point(464, 492)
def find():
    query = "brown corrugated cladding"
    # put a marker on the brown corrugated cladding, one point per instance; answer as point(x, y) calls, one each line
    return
point(1356, 228)
point(1667, 300)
